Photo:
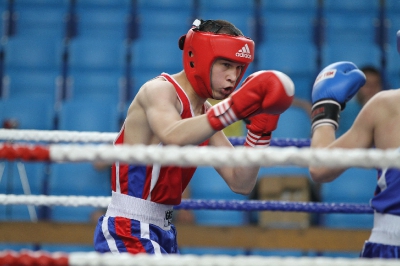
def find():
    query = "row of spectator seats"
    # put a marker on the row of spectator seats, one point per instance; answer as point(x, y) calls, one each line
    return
point(97, 54)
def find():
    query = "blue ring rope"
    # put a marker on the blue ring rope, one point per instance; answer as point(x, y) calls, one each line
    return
point(286, 206)
point(279, 142)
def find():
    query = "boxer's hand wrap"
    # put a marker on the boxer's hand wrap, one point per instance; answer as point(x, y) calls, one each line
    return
point(258, 141)
point(325, 112)
point(260, 129)
point(221, 115)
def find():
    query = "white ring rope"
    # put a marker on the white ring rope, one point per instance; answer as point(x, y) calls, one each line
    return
point(39, 200)
point(222, 156)
point(195, 156)
point(55, 136)
point(91, 258)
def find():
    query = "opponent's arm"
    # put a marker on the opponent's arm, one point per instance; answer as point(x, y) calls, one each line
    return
point(334, 86)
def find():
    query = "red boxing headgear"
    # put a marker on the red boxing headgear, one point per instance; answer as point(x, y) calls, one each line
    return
point(201, 49)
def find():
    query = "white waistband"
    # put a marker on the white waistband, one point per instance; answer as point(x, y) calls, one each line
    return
point(141, 210)
point(386, 229)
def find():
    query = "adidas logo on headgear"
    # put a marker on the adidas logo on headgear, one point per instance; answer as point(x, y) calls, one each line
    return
point(244, 52)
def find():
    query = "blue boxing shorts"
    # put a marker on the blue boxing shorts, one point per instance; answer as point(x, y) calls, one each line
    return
point(384, 241)
point(375, 250)
point(135, 226)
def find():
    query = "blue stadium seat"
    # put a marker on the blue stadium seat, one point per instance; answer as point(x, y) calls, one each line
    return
point(282, 56)
point(169, 23)
point(34, 172)
point(13, 182)
point(80, 179)
point(98, 85)
point(362, 22)
point(18, 213)
point(294, 123)
point(290, 5)
point(27, 51)
point(97, 19)
point(341, 44)
point(303, 83)
point(360, 53)
point(3, 8)
point(290, 25)
point(89, 115)
point(39, 35)
point(392, 5)
point(30, 113)
point(42, 15)
point(283, 28)
point(30, 82)
point(207, 184)
point(41, 3)
point(155, 55)
point(106, 4)
point(97, 52)
point(167, 5)
point(356, 185)
point(351, 6)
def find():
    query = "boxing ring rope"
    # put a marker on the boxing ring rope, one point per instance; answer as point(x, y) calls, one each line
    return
point(105, 137)
point(202, 156)
point(182, 156)
point(228, 205)
point(92, 258)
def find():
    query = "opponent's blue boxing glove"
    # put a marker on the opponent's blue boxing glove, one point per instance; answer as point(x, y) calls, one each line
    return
point(334, 86)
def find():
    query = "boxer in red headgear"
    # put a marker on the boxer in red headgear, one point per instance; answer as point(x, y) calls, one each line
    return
point(173, 110)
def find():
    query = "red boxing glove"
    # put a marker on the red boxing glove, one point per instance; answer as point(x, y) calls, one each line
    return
point(266, 91)
point(260, 129)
